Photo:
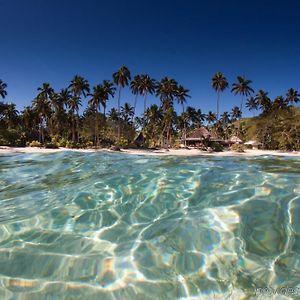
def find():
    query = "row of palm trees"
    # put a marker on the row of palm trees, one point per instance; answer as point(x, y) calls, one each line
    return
point(50, 105)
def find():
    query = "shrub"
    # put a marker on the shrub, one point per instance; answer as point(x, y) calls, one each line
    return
point(71, 145)
point(51, 145)
point(62, 142)
point(35, 144)
point(237, 148)
point(217, 147)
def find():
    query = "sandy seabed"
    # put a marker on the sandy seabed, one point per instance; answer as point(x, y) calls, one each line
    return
point(162, 152)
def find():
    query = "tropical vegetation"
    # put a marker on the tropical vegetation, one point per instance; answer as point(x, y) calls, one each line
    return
point(61, 118)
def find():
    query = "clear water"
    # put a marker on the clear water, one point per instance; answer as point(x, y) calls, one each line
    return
point(117, 226)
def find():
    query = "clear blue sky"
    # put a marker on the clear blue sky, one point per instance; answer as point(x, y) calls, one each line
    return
point(51, 41)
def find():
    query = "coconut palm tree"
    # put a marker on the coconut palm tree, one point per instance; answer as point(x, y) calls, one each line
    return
point(3, 87)
point(167, 91)
point(292, 96)
point(211, 117)
point(121, 78)
point(242, 87)
point(252, 104)
point(225, 118)
point(42, 107)
point(181, 96)
point(263, 101)
point(108, 91)
point(94, 102)
point(219, 84)
point(78, 87)
point(10, 115)
point(127, 112)
point(236, 113)
point(147, 86)
point(135, 87)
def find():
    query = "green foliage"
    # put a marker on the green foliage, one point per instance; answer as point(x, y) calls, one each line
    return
point(35, 144)
point(71, 145)
point(237, 148)
point(217, 147)
point(62, 142)
point(51, 145)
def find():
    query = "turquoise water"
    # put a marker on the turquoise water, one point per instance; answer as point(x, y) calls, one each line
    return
point(116, 226)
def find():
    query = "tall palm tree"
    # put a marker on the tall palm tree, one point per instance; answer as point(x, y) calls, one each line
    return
point(242, 87)
point(3, 87)
point(147, 86)
point(263, 101)
point(181, 96)
point(167, 91)
point(292, 96)
point(195, 117)
point(135, 87)
point(108, 91)
point(43, 108)
point(73, 105)
point(79, 87)
point(219, 84)
point(225, 118)
point(10, 114)
point(252, 104)
point(94, 102)
point(121, 78)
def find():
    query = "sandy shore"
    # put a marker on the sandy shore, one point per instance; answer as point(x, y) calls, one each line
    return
point(162, 152)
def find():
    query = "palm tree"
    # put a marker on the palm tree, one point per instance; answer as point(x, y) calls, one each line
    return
point(181, 96)
point(73, 105)
point(195, 117)
point(10, 114)
point(263, 101)
point(225, 118)
point(292, 96)
point(95, 102)
point(211, 117)
point(108, 91)
point(219, 84)
point(236, 113)
point(167, 91)
point(43, 108)
point(252, 104)
point(121, 78)
point(3, 87)
point(242, 88)
point(127, 112)
point(147, 86)
point(79, 87)
point(135, 87)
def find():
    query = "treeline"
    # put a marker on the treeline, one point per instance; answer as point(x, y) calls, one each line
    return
point(53, 118)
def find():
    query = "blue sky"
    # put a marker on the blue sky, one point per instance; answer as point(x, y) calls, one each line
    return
point(51, 41)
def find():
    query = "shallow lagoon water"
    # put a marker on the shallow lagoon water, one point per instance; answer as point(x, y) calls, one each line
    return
point(117, 226)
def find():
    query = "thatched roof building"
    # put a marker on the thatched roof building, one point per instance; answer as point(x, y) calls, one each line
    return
point(199, 134)
point(139, 140)
point(235, 140)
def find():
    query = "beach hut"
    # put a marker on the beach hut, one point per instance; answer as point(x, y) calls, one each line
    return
point(139, 140)
point(197, 137)
point(253, 144)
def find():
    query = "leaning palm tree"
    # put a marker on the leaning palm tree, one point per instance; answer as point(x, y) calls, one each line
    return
point(181, 96)
point(121, 78)
point(78, 87)
point(3, 87)
point(292, 96)
point(252, 104)
point(219, 84)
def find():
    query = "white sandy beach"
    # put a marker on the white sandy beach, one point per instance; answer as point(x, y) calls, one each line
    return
point(162, 152)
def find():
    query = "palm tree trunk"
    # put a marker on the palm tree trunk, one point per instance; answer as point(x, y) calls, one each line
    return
point(96, 130)
point(134, 107)
point(119, 120)
point(218, 102)
point(145, 99)
point(73, 128)
point(184, 125)
point(239, 121)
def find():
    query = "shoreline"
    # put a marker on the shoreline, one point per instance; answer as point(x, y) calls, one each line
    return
point(161, 152)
